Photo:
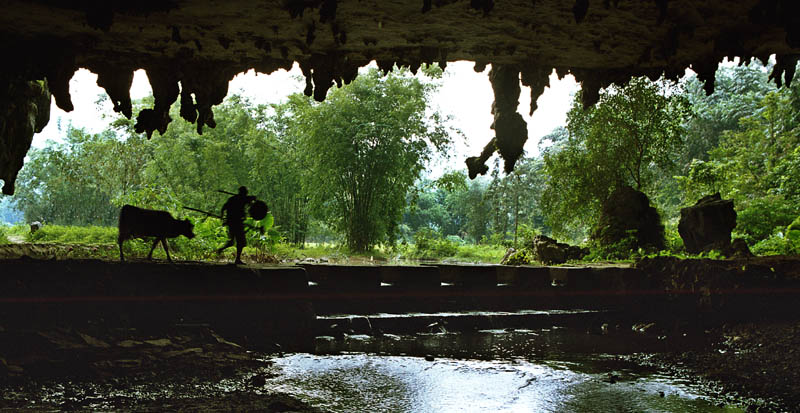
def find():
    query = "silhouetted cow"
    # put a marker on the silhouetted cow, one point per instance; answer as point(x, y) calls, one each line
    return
point(138, 223)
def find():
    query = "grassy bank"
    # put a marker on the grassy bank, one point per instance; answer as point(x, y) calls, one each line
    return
point(101, 243)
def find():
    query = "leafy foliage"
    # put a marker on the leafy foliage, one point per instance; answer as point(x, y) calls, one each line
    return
point(629, 137)
point(349, 170)
point(364, 147)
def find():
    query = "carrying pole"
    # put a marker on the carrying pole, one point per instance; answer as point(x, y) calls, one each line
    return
point(204, 212)
point(252, 227)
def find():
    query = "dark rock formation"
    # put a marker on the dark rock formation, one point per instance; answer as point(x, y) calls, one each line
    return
point(192, 48)
point(549, 251)
point(627, 212)
point(510, 129)
point(707, 224)
point(24, 110)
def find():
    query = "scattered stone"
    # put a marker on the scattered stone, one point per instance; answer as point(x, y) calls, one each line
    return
point(429, 357)
point(60, 340)
point(612, 378)
point(235, 356)
point(437, 327)
point(176, 353)
point(161, 342)
point(258, 380)
point(93, 341)
point(129, 343)
point(643, 328)
point(128, 363)
point(223, 341)
point(509, 252)
point(737, 249)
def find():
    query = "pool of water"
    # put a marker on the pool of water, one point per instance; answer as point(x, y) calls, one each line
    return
point(547, 370)
point(499, 370)
point(371, 383)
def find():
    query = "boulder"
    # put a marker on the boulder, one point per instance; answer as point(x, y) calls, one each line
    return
point(549, 251)
point(707, 224)
point(628, 212)
point(737, 249)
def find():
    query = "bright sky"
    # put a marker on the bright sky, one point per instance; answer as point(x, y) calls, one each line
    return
point(465, 95)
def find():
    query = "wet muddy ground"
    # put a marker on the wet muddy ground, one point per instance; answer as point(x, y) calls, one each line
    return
point(95, 368)
point(192, 368)
point(104, 365)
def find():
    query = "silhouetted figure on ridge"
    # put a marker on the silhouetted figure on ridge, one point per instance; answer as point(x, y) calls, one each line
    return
point(233, 214)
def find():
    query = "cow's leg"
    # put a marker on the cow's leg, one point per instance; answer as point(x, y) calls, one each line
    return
point(166, 249)
point(119, 241)
point(155, 242)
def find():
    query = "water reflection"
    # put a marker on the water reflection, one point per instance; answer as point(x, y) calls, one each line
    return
point(499, 370)
point(360, 383)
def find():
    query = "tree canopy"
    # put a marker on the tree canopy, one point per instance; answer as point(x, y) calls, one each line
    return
point(627, 138)
point(365, 146)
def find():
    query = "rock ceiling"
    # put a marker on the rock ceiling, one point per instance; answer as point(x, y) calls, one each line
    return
point(192, 48)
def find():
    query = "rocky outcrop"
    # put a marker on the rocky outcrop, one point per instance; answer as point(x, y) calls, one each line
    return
point(25, 110)
point(707, 224)
point(191, 49)
point(627, 213)
point(549, 251)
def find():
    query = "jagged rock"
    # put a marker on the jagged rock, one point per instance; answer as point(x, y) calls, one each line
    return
point(737, 249)
point(24, 110)
point(549, 251)
point(200, 45)
point(511, 131)
point(627, 212)
point(509, 252)
point(707, 224)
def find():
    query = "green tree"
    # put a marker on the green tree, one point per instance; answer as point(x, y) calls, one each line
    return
point(364, 147)
point(250, 146)
point(737, 93)
point(757, 166)
point(78, 181)
point(628, 138)
point(515, 199)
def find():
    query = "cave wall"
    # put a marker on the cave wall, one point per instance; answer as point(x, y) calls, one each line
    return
point(191, 49)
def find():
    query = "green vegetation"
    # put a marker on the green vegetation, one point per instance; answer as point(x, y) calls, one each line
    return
point(364, 147)
point(345, 178)
point(630, 137)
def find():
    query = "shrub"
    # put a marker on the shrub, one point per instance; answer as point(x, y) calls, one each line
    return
point(521, 257)
point(624, 249)
point(75, 235)
point(793, 234)
point(776, 244)
point(428, 243)
point(762, 216)
point(674, 242)
point(497, 239)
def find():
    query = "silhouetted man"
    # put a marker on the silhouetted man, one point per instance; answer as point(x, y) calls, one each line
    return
point(233, 215)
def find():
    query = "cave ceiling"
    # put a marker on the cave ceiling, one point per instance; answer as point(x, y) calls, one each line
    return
point(191, 49)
